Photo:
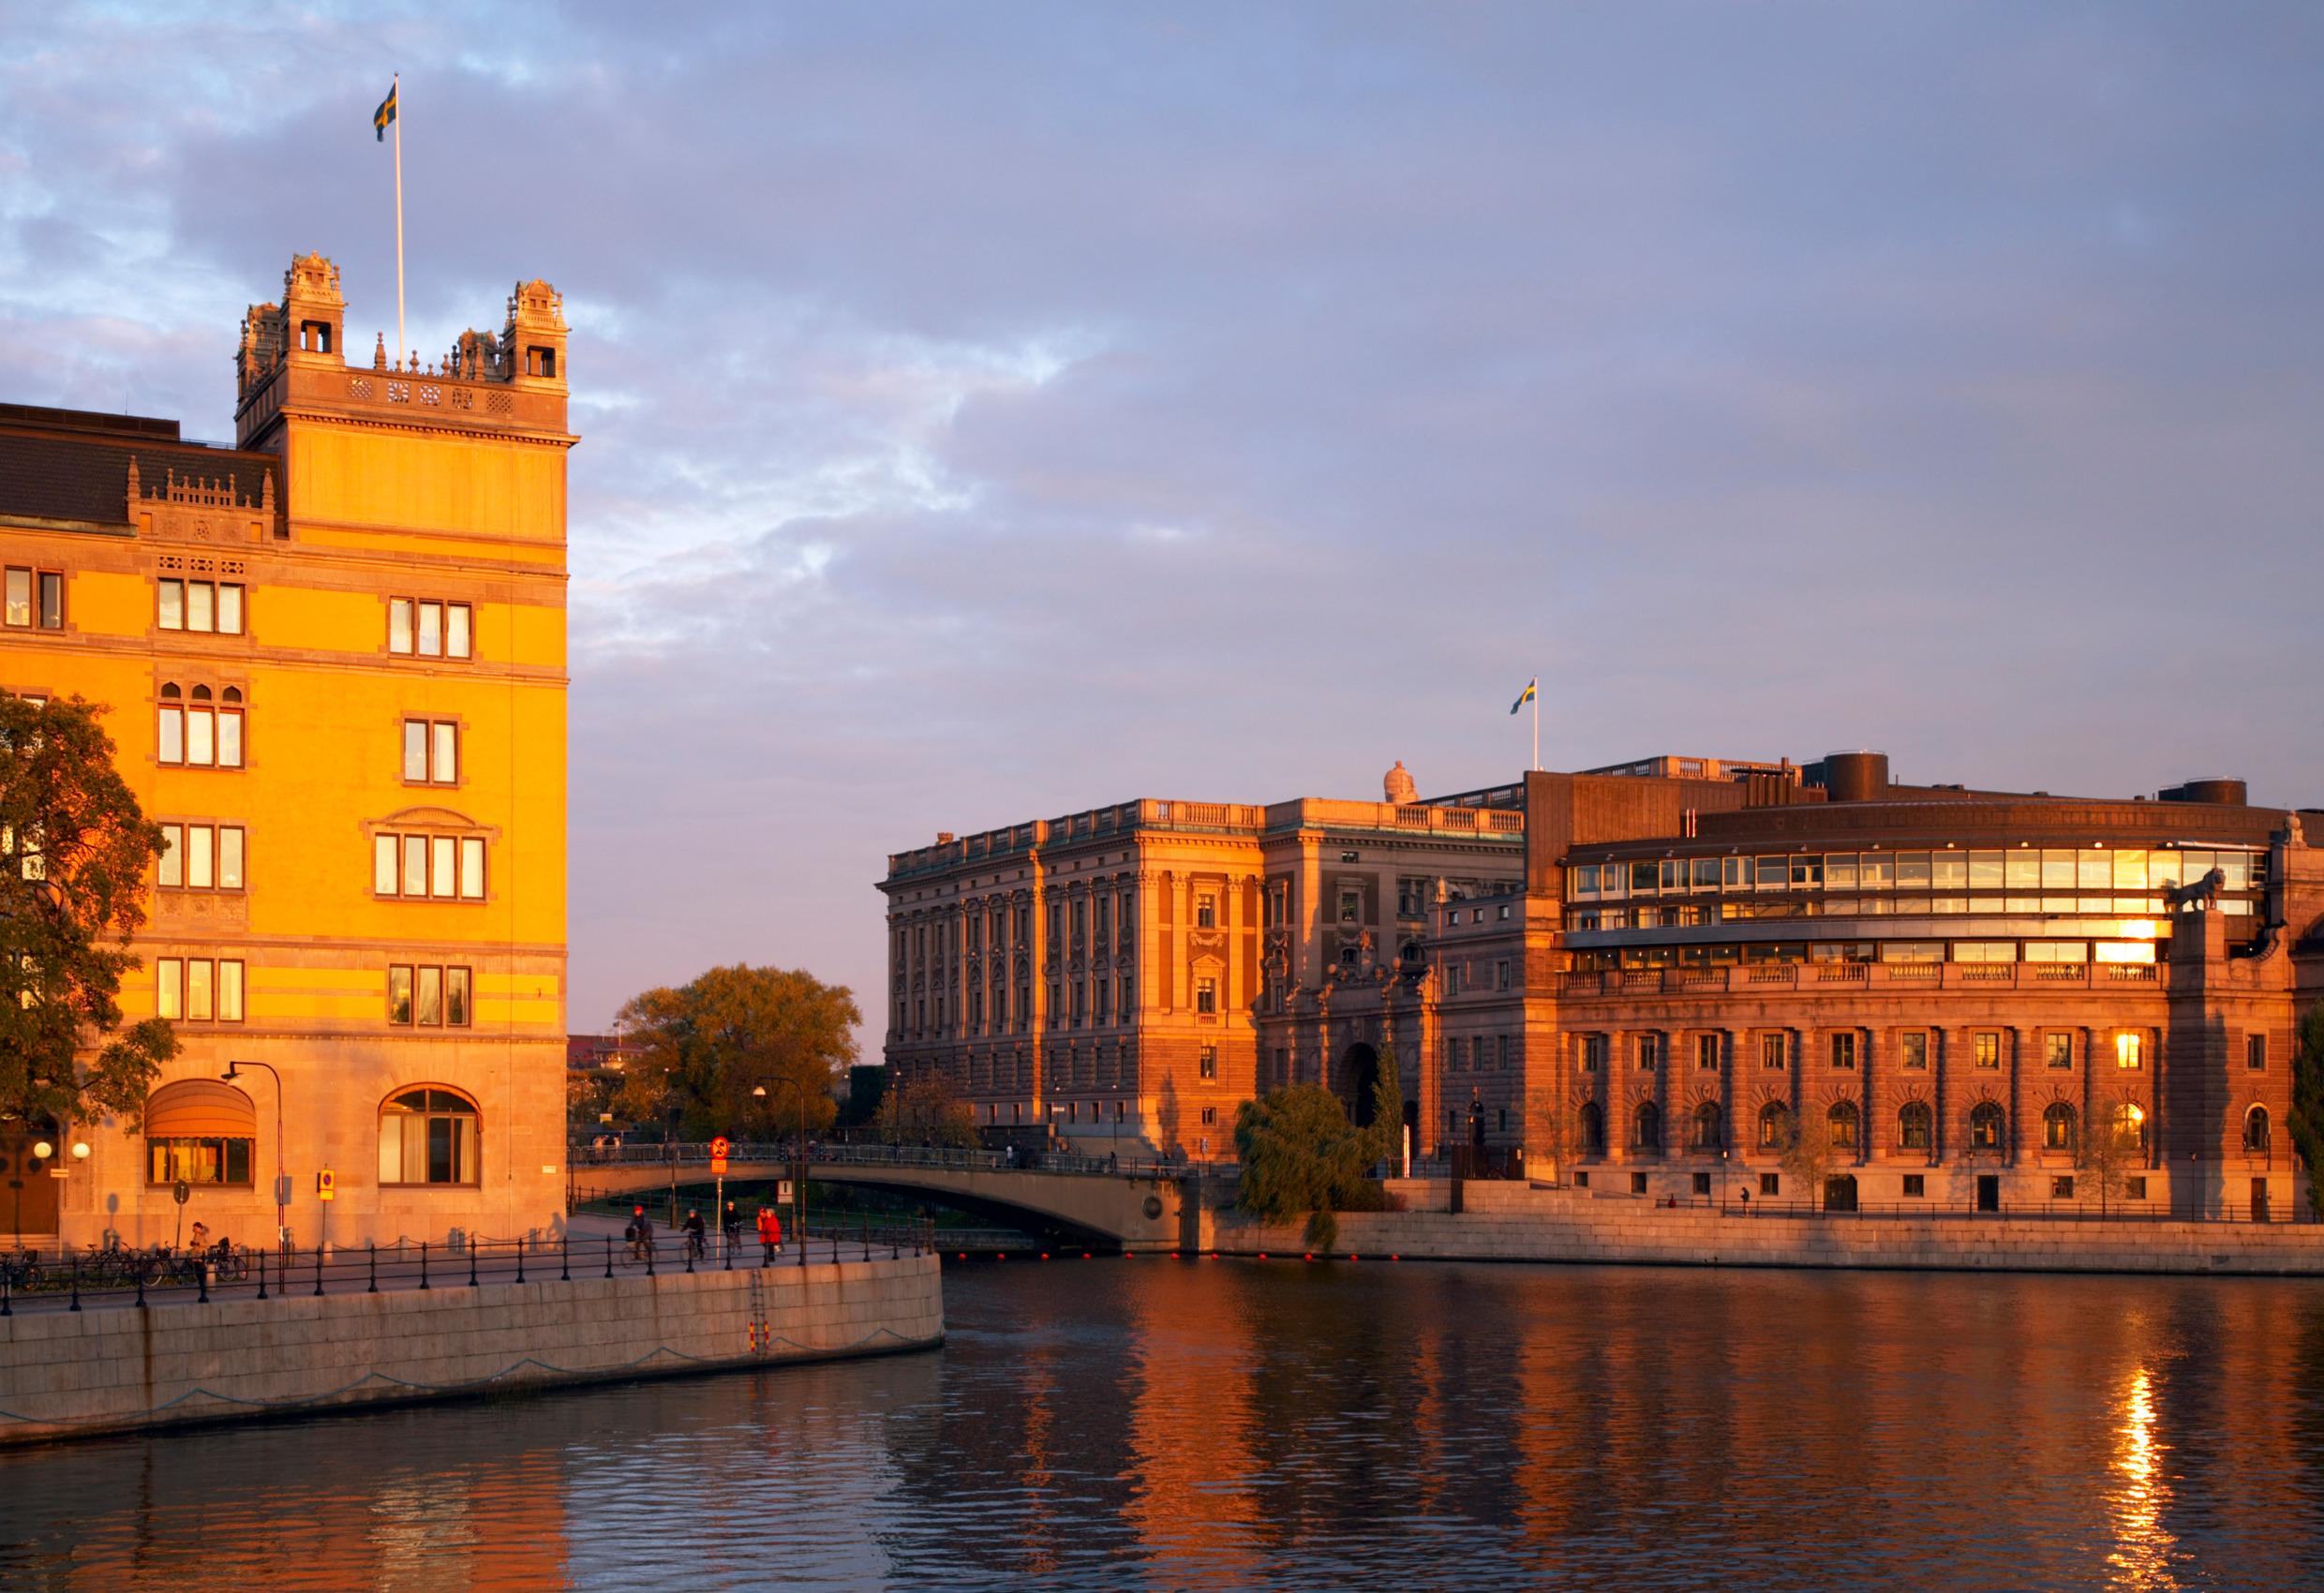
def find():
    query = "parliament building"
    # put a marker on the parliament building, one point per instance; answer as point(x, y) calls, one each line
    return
point(331, 659)
point(1653, 980)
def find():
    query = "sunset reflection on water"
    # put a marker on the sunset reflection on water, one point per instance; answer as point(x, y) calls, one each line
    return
point(1148, 1424)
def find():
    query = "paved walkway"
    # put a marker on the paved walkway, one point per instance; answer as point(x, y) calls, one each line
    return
point(594, 1249)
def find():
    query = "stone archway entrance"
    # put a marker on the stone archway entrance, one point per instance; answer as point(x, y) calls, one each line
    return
point(1359, 1072)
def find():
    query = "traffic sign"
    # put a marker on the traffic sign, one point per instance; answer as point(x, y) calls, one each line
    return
point(181, 1192)
point(719, 1147)
point(326, 1185)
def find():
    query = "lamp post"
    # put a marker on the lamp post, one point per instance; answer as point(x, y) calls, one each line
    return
point(282, 1172)
point(799, 1185)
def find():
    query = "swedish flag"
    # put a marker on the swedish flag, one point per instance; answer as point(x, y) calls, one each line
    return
point(384, 115)
point(1526, 696)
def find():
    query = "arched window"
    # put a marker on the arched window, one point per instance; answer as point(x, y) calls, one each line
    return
point(1593, 1129)
point(1775, 1126)
point(1844, 1122)
point(2130, 1126)
point(2057, 1127)
point(1916, 1126)
point(2255, 1129)
point(1985, 1127)
point(1708, 1127)
point(1646, 1127)
point(428, 1136)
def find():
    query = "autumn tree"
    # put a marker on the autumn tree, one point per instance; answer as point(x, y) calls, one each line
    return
point(926, 1110)
point(1809, 1151)
point(74, 852)
point(2108, 1147)
point(1301, 1155)
point(702, 1048)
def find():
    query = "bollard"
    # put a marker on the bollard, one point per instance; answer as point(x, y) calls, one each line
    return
point(261, 1274)
point(609, 1255)
point(520, 1260)
point(471, 1259)
point(565, 1265)
point(422, 1263)
point(375, 1269)
point(141, 1285)
point(319, 1271)
point(76, 1283)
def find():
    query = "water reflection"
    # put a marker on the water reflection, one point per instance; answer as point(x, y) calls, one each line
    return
point(1146, 1423)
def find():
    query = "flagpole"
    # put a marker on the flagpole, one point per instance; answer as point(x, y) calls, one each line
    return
point(1537, 723)
point(395, 92)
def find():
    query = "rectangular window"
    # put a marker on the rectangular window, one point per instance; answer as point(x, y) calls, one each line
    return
point(399, 625)
point(1206, 995)
point(200, 858)
point(1912, 1051)
point(1707, 1052)
point(2062, 1186)
point(2129, 1050)
point(457, 630)
point(1649, 1050)
point(2256, 1052)
point(400, 994)
point(1844, 1050)
point(198, 994)
point(219, 1160)
point(1206, 912)
point(170, 872)
point(431, 629)
point(1500, 971)
point(2134, 1189)
point(1770, 1184)
point(1209, 1061)
point(169, 986)
point(1351, 904)
point(1985, 1048)
point(1593, 1053)
point(1773, 1051)
point(230, 991)
point(2058, 1048)
point(431, 751)
point(428, 1002)
point(19, 596)
point(200, 605)
point(172, 605)
point(430, 996)
point(51, 601)
point(1916, 1185)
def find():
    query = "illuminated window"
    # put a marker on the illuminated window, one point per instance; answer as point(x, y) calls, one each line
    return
point(427, 629)
point(1844, 1122)
point(1206, 995)
point(431, 751)
point(428, 1136)
point(1775, 1126)
point(2129, 1050)
point(36, 599)
point(1985, 1127)
point(1916, 1126)
point(2060, 1048)
point(200, 605)
point(1844, 1050)
point(2057, 1127)
point(198, 990)
point(200, 858)
point(198, 728)
point(1985, 1048)
point(429, 996)
point(1912, 1051)
point(2256, 1136)
point(2130, 1126)
point(1208, 1061)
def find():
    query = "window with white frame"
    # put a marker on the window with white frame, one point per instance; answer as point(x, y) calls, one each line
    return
point(431, 751)
point(201, 856)
point(443, 868)
point(427, 628)
point(212, 606)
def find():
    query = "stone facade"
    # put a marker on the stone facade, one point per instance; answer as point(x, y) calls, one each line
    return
point(1126, 975)
point(334, 661)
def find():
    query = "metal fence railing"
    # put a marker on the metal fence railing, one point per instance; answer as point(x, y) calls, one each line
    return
point(72, 1280)
point(819, 1153)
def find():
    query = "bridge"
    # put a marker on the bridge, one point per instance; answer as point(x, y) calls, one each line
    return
point(1088, 1199)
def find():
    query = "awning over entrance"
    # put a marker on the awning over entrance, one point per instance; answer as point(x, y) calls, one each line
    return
point(198, 1108)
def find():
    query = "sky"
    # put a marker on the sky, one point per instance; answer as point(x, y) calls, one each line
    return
point(993, 411)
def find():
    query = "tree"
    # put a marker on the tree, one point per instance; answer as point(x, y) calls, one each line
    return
point(1387, 1109)
point(1808, 1154)
point(1300, 1154)
point(2307, 1114)
point(925, 1110)
point(74, 852)
point(703, 1048)
point(2106, 1148)
point(1549, 1131)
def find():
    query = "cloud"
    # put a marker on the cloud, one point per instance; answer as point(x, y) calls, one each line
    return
point(990, 414)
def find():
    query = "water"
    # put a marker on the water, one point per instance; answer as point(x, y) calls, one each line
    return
point(1148, 1424)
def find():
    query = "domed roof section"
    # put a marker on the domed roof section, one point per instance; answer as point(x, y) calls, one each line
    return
point(1397, 785)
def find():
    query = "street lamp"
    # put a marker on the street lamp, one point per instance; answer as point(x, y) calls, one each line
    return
point(282, 1171)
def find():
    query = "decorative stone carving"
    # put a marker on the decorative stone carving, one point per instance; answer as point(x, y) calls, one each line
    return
point(1398, 786)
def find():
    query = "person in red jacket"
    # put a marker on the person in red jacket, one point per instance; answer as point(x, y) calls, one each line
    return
point(769, 1231)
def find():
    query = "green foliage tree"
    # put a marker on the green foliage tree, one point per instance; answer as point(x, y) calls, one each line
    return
point(1301, 1155)
point(1387, 1107)
point(2307, 1114)
point(74, 852)
point(702, 1048)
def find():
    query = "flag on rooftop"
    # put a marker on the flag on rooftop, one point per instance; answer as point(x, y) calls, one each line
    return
point(1526, 696)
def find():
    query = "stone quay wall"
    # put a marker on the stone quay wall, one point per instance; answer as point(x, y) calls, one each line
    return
point(1514, 1222)
point(121, 1367)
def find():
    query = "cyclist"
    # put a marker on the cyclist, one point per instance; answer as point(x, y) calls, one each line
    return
point(693, 1228)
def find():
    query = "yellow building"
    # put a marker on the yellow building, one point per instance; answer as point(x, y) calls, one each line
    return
point(334, 658)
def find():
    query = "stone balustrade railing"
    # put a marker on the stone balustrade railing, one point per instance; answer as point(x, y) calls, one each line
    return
point(1835, 978)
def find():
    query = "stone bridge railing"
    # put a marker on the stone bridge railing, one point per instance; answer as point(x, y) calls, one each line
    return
point(777, 1153)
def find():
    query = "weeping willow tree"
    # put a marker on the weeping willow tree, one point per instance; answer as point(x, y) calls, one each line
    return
point(1300, 1156)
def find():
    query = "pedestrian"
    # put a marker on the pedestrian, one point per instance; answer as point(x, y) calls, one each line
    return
point(769, 1231)
point(694, 1232)
point(730, 1223)
point(198, 1238)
